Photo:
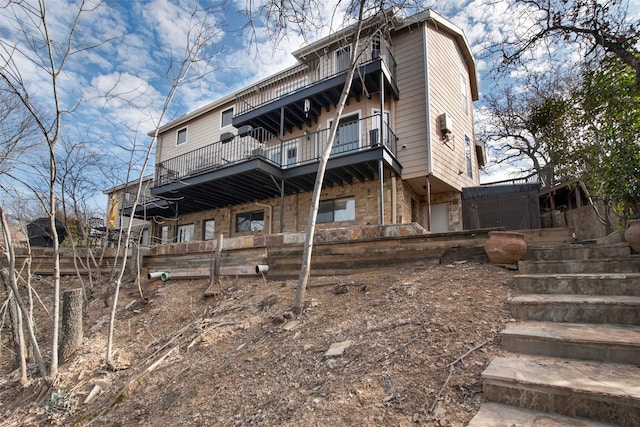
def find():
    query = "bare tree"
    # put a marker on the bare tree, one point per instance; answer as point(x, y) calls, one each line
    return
point(48, 52)
point(525, 123)
point(598, 28)
point(16, 130)
point(82, 172)
point(195, 63)
point(283, 16)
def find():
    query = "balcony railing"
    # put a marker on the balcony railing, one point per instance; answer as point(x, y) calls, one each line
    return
point(353, 136)
point(320, 68)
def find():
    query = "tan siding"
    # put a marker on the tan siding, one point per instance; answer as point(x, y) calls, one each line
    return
point(202, 130)
point(410, 111)
point(446, 63)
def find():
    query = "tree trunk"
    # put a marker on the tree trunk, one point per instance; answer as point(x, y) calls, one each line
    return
point(214, 269)
point(71, 337)
point(305, 269)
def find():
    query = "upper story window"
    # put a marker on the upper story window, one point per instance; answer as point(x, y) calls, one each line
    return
point(464, 94)
point(181, 136)
point(468, 156)
point(343, 58)
point(376, 47)
point(225, 118)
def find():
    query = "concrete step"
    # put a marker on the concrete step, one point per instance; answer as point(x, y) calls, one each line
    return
point(603, 392)
point(579, 251)
point(498, 415)
point(597, 342)
point(629, 264)
point(616, 309)
point(584, 283)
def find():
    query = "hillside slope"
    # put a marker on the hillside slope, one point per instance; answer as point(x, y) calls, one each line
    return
point(240, 359)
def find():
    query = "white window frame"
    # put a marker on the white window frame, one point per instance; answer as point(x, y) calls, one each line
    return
point(285, 161)
point(186, 135)
point(375, 123)
point(185, 232)
point(212, 233)
point(464, 94)
point(222, 125)
point(164, 234)
point(346, 117)
point(347, 48)
point(468, 154)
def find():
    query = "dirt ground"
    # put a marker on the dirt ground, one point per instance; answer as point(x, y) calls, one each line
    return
point(415, 342)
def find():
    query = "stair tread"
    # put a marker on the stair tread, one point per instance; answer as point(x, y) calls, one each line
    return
point(602, 379)
point(580, 275)
point(578, 332)
point(499, 415)
point(579, 298)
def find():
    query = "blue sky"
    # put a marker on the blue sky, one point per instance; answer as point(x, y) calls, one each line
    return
point(118, 87)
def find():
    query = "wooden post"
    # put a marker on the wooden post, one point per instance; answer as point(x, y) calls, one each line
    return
point(71, 337)
point(214, 268)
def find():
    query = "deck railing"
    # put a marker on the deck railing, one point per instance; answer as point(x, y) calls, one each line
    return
point(353, 136)
point(330, 64)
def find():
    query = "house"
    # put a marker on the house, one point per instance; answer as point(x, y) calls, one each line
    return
point(246, 164)
point(120, 201)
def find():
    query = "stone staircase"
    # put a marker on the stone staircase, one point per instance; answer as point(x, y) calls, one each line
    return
point(574, 353)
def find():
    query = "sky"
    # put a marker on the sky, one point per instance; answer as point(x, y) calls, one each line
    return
point(126, 55)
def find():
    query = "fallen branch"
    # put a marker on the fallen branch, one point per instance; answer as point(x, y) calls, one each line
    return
point(215, 325)
point(131, 386)
point(459, 359)
point(435, 401)
point(451, 366)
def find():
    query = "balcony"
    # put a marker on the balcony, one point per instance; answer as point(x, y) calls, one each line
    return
point(258, 166)
point(296, 97)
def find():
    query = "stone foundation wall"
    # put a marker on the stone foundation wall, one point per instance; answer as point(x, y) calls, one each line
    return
point(296, 210)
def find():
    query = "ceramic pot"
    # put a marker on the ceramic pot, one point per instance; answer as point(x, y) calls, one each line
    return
point(632, 235)
point(505, 247)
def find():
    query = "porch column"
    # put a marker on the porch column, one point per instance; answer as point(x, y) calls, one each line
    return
point(381, 189)
point(428, 207)
point(381, 142)
point(382, 130)
point(282, 206)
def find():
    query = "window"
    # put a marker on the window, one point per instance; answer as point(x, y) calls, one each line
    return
point(343, 58)
point(226, 117)
point(464, 94)
point(250, 221)
point(337, 210)
point(185, 233)
point(181, 136)
point(164, 234)
point(291, 156)
point(467, 152)
point(375, 126)
point(209, 229)
point(348, 135)
point(376, 46)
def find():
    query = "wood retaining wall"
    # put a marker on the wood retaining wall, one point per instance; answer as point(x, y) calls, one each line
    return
point(336, 252)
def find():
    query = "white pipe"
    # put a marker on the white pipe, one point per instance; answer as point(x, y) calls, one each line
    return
point(262, 268)
point(163, 275)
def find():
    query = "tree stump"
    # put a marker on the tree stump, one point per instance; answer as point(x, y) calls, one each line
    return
point(71, 334)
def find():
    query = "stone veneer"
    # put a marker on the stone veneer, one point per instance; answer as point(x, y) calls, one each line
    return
point(342, 234)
